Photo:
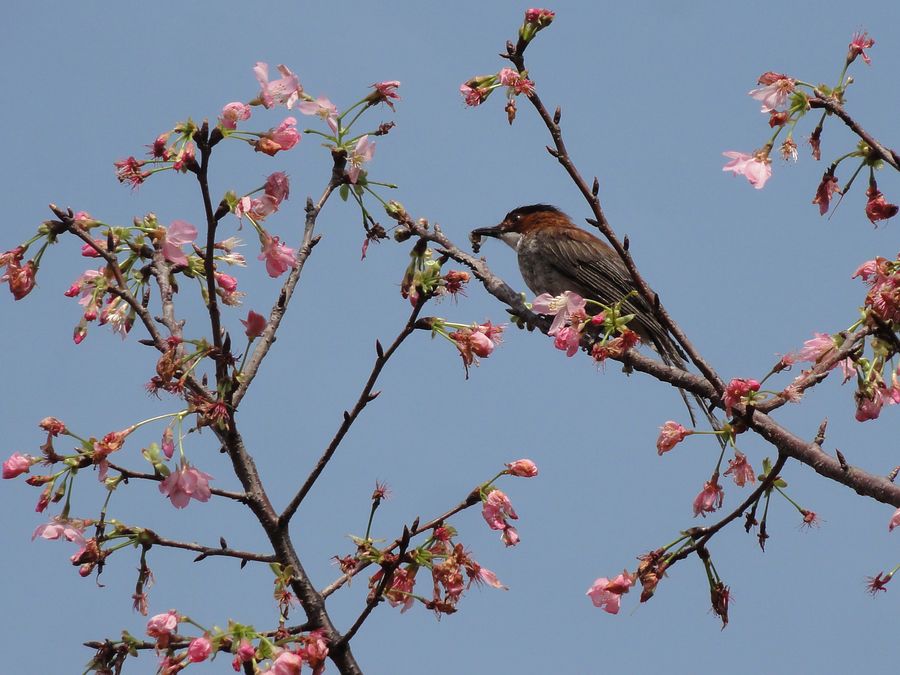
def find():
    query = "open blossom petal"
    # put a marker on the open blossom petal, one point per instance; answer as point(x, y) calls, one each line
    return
point(177, 235)
point(232, 113)
point(775, 94)
point(523, 468)
point(285, 90)
point(16, 465)
point(185, 484)
point(755, 169)
point(279, 258)
point(322, 108)
point(361, 154)
point(895, 521)
point(671, 434)
point(607, 594)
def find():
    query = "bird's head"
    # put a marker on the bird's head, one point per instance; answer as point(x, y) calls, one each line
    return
point(521, 221)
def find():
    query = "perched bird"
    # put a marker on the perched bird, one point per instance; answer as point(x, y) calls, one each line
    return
point(556, 256)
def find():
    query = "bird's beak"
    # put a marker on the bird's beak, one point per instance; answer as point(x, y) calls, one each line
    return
point(476, 235)
point(494, 231)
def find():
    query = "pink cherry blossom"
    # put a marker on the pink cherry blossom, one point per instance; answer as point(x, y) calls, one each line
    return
point(671, 434)
point(813, 350)
point(322, 108)
point(481, 344)
point(255, 324)
point(775, 94)
point(754, 168)
point(869, 404)
point(485, 576)
point(895, 521)
point(473, 96)
point(184, 484)
point(858, 44)
point(709, 499)
point(279, 258)
point(362, 153)
point(496, 509)
point(177, 235)
point(257, 209)
point(17, 464)
point(199, 649)
point(517, 82)
point(232, 113)
point(523, 468)
point(568, 306)
point(825, 192)
point(740, 470)
point(286, 90)
point(277, 187)
point(607, 594)
point(60, 528)
point(877, 207)
point(384, 92)
point(568, 340)
point(162, 626)
point(509, 536)
point(286, 663)
point(739, 390)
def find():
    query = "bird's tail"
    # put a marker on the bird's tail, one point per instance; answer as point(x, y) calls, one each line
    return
point(672, 355)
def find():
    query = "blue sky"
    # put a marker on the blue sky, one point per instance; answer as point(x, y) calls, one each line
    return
point(651, 96)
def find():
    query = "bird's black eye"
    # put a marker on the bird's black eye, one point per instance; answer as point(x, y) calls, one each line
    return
point(517, 217)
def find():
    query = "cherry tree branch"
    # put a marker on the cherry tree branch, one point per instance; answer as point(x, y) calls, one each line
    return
point(258, 501)
point(415, 529)
point(152, 538)
point(833, 106)
point(365, 396)
point(277, 313)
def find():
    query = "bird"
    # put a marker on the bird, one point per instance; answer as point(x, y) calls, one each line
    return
point(556, 256)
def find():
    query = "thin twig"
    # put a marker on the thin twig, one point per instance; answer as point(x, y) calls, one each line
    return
point(830, 104)
point(365, 396)
point(251, 368)
point(417, 529)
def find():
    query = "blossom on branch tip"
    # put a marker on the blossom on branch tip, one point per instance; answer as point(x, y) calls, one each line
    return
point(162, 626)
point(756, 168)
point(177, 235)
point(286, 90)
point(739, 390)
point(185, 484)
point(232, 113)
point(361, 153)
point(523, 468)
point(63, 528)
point(254, 324)
point(283, 137)
point(671, 434)
point(17, 464)
point(859, 43)
point(279, 258)
point(826, 189)
point(740, 470)
point(286, 663)
point(775, 93)
point(709, 499)
point(517, 82)
point(568, 306)
point(199, 649)
point(877, 208)
point(323, 109)
point(384, 92)
point(607, 594)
